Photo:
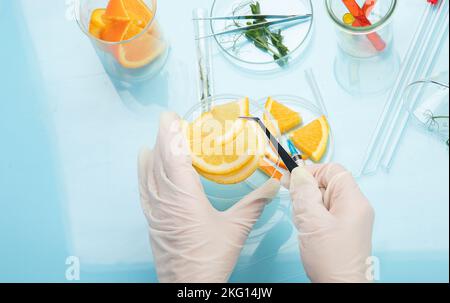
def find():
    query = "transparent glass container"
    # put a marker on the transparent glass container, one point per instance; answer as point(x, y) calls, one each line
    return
point(133, 60)
point(364, 35)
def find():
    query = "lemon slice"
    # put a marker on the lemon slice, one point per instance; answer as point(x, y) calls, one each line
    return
point(223, 121)
point(312, 139)
point(236, 177)
point(224, 148)
point(222, 159)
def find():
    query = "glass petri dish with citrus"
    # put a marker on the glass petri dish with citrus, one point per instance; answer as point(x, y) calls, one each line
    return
point(234, 157)
point(125, 35)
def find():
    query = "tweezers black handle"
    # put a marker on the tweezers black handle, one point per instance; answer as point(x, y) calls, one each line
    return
point(285, 157)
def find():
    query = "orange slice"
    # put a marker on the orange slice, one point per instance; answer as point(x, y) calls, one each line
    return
point(116, 11)
point(115, 31)
point(312, 139)
point(222, 159)
point(131, 31)
point(96, 24)
point(138, 12)
point(286, 118)
point(270, 170)
point(140, 51)
point(274, 158)
point(235, 177)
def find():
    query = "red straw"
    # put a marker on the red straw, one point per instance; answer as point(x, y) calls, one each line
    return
point(362, 21)
point(368, 7)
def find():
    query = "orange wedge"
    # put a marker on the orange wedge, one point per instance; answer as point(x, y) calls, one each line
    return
point(115, 31)
point(96, 24)
point(138, 12)
point(132, 31)
point(274, 158)
point(116, 11)
point(312, 139)
point(270, 170)
point(286, 118)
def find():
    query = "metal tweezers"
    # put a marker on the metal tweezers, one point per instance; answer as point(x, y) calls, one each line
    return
point(282, 19)
point(290, 163)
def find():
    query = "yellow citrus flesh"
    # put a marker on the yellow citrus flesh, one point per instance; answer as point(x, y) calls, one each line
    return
point(96, 24)
point(225, 156)
point(229, 157)
point(223, 120)
point(235, 177)
point(312, 139)
point(286, 118)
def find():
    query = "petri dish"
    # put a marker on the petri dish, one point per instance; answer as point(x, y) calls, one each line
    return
point(242, 52)
point(276, 218)
point(224, 196)
point(309, 112)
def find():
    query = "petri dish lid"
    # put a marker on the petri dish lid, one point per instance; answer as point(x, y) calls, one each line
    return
point(244, 53)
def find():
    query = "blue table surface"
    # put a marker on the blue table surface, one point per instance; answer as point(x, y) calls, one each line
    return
point(70, 139)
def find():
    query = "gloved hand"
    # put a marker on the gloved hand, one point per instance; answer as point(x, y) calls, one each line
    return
point(191, 241)
point(335, 223)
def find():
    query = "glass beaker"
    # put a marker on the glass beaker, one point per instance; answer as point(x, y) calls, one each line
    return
point(134, 59)
point(363, 27)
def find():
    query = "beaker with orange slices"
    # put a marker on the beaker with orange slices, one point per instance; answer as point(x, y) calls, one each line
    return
point(126, 36)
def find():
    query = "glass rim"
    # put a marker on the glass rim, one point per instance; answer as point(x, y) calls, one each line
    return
point(77, 14)
point(362, 30)
point(311, 22)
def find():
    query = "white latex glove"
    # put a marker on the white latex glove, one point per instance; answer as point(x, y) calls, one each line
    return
point(335, 223)
point(191, 241)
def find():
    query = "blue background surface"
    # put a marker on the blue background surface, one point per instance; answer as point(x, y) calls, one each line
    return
point(70, 139)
